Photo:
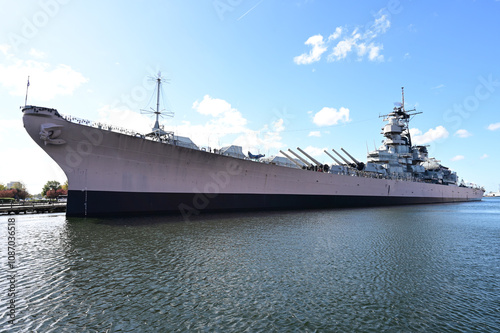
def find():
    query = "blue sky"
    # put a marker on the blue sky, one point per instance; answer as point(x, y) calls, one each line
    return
point(263, 74)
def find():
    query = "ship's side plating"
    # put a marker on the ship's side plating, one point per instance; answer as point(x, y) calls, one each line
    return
point(113, 173)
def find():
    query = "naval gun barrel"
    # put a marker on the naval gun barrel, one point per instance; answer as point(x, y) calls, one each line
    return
point(342, 157)
point(291, 159)
point(300, 158)
point(352, 158)
point(312, 159)
point(359, 165)
point(333, 158)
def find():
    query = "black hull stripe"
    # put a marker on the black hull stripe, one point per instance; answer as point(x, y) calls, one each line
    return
point(102, 203)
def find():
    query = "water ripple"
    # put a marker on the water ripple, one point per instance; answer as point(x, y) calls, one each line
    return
point(419, 268)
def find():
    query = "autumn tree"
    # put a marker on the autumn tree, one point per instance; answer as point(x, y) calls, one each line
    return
point(14, 193)
point(51, 185)
point(7, 194)
point(21, 193)
point(51, 194)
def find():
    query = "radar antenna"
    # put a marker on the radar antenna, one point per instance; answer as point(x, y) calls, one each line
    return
point(27, 86)
point(402, 114)
point(157, 130)
point(403, 97)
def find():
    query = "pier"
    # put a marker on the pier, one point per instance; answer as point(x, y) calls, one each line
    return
point(32, 207)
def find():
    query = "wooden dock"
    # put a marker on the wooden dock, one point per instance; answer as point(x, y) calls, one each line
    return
point(32, 207)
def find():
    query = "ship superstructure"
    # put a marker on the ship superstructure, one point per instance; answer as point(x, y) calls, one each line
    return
point(113, 171)
point(398, 158)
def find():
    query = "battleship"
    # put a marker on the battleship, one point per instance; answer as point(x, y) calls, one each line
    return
point(113, 171)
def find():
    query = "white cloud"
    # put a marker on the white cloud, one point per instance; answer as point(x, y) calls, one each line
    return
point(439, 86)
point(37, 53)
point(462, 133)
point(431, 135)
point(314, 55)
point(125, 118)
point(315, 133)
point(4, 48)
point(278, 125)
point(361, 43)
point(458, 158)
point(374, 53)
point(494, 127)
point(336, 34)
point(381, 25)
point(212, 106)
point(314, 151)
point(227, 126)
point(484, 156)
point(226, 118)
point(224, 121)
point(331, 116)
point(342, 48)
point(46, 80)
point(357, 42)
point(269, 137)
point(372, 50)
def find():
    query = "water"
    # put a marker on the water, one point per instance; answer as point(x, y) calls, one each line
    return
point(431, 268)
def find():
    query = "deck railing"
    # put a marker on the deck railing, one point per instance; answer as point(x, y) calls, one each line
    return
point(100, 125)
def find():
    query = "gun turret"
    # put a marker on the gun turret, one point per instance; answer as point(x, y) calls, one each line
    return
point(309, 165)
point(336, 160)
point(342, 157)
point(359, 165)
point(312, 159)
point(291, 159)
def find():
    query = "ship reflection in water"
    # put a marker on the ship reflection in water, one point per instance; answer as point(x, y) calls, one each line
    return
point(408, 268)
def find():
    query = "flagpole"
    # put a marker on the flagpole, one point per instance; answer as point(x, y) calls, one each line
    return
point(27, 86)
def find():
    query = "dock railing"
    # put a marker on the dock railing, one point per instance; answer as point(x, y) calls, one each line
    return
point(16, 207)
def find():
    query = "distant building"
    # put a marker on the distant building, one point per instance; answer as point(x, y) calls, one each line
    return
point(493, 194)
point(16, 184)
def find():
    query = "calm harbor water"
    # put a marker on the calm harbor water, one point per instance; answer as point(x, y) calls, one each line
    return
point(430, 268)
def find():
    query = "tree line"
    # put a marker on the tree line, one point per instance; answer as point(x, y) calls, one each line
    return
point(52, 189)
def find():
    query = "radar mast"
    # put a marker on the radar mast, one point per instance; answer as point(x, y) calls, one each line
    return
point(158, 131)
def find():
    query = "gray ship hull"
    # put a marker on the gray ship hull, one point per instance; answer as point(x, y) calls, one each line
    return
point(111, 173)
